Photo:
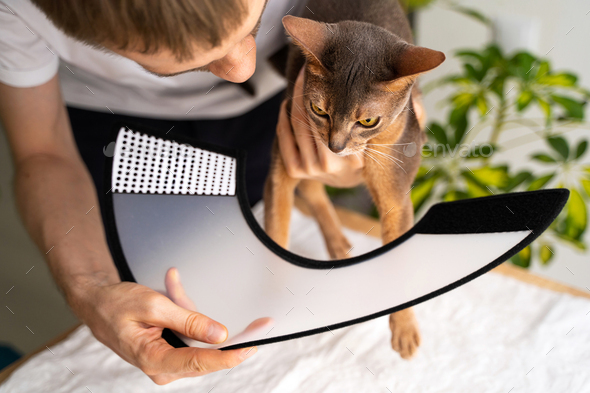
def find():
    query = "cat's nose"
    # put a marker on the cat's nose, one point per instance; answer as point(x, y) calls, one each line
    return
point(336, 146)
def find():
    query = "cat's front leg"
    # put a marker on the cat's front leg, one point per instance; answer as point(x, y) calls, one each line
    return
point(396, 216)
point(405, 333)
point(279, 191)
point(314, 194)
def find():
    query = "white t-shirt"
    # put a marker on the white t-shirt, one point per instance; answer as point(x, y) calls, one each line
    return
point(33, 50)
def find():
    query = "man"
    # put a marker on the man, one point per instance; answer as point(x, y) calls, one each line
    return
point(133, 61)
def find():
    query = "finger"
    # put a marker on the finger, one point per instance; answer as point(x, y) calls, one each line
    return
point(188, 323)
point(329, 162)
point(302, 129)
point(176, 291)
point(260, 323)
point(253, 331)
point(200, 360)
point(287, 144)
point(356, 161)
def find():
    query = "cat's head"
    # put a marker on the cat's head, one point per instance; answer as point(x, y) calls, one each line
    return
point(358, 78)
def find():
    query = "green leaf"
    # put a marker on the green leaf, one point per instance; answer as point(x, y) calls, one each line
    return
point(474, 189)
point(422, 191)
point(586, 185)
point(473, 14)
point(463, 100)
point(562, 79)
point(497, 86)
point(544, 158)
point(422, 171)
point(482, 104)
point(577, 216)
point(412, 5)
point(454, 195)
point(545, 106)
point(574, 242)
point(458, 120)
point(522, 64)
point(470, 53)
point(545, 254)
point(516, 180)
point(581, 149)
point(490, 176)
point(544, 69)
point(540, 182)
point(487, 150)
point(523, 258)
point(574, 109)
point(524, 99)
point(438, 132)
point(560, 145)
point(472, 72)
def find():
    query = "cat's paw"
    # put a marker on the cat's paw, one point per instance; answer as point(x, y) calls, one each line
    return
point(338, 247)
point(405, 334)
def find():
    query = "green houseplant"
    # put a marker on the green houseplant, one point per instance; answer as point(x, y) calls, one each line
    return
point(495, 91)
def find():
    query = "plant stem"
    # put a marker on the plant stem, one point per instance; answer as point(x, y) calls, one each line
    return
point(498, 123)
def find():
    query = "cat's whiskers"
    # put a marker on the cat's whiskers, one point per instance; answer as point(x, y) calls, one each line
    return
point(386, 147)
point(304, 113)
point(388, 157)
point(365, 152)
point(388, 144)
point(318, 140)
point(308, 127)
point(301, 95)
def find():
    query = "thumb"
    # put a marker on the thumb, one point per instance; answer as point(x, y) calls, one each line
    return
point(176, 291)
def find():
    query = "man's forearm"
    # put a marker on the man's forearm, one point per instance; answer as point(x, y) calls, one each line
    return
point(58, 205)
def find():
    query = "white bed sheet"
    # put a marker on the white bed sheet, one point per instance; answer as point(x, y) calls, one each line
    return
point(494, 334)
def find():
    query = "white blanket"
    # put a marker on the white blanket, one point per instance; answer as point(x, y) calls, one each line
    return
point(494, 334)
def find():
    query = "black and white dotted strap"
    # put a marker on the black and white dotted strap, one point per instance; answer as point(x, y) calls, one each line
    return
point(150, 165)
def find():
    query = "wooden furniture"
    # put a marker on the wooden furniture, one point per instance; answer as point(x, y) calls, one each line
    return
point(370, 226)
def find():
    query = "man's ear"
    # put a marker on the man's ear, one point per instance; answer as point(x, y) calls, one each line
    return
point(309, 35)
point(413, 60)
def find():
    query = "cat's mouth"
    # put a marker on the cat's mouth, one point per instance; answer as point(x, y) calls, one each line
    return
point(348, 151)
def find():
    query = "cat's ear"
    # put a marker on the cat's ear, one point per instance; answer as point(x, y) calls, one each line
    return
point(408, 61)
point(414, 60)
point(309, 35)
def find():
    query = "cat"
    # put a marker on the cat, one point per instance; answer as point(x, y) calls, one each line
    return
point(360, 94)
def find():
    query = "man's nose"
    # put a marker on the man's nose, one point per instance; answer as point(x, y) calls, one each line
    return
point(239, 64)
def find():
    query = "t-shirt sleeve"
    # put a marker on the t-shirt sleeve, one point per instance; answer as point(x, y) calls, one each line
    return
point(25, 57)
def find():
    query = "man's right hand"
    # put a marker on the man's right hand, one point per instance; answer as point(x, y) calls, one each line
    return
point(129, 319)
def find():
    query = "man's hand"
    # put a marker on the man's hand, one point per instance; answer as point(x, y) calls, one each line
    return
point(54, 193)
point(129, 319)
point(305, 156)
point(177, 294)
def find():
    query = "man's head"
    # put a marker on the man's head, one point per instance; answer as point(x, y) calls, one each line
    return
point(167, 37)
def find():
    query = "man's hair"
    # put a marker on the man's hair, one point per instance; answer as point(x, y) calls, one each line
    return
point(147, 25)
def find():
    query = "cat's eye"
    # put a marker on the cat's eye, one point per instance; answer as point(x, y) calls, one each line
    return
point(319, 111)
point(370, 122)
